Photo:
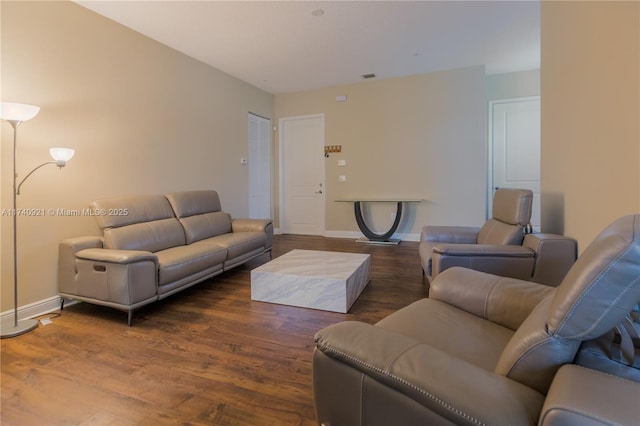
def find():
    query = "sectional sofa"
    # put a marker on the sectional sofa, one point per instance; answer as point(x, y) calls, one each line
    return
point(153, 246)
point(489, 350)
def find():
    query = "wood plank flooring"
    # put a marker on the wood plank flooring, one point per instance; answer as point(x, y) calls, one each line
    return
point(205, 356)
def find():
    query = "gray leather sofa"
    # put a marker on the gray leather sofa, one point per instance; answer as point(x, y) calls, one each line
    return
point(154, 246)
point(490, 350)
point(500, 246)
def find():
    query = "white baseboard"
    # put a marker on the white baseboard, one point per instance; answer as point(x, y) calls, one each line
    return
point(35, 309)
point(355, 235)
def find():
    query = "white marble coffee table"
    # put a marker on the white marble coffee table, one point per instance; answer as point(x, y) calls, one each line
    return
point(330, 281)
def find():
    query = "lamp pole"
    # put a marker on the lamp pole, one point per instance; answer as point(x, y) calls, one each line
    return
point(24, 326)
point(16, 114)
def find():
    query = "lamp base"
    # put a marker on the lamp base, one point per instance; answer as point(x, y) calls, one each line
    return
point(24, 326)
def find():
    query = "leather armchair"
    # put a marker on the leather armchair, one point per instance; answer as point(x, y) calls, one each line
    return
point(500, 246)
point(484, 349)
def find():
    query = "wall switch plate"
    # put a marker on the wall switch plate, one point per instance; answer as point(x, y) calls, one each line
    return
point(342, 163)
point(243, 161)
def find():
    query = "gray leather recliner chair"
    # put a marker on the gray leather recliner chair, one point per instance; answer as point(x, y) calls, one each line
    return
point(500, 246)
point(484, 349)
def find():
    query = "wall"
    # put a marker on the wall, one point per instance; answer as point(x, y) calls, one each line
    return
point(590, 99)
point(420, 136)
point(143, 118)
point(513, 85)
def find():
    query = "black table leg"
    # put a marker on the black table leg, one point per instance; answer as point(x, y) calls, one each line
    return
point(372, 236)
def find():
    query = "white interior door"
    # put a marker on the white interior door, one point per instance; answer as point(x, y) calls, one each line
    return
point(515, 139)
point(259, 162)
point(302, 175)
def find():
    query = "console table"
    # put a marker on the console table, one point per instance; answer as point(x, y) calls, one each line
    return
point(371, 236)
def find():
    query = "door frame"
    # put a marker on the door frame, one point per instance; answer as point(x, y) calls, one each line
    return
point(270, 161)
point(281, 175)
point(490, 154)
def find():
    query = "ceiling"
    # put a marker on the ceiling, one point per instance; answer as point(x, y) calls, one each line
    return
point(290, 46)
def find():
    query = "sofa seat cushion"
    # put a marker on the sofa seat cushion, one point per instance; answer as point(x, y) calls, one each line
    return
point(237, 243)
point(479, 342)
point(180, 262)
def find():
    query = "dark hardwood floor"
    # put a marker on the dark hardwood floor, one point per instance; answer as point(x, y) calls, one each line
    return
point(205, 356)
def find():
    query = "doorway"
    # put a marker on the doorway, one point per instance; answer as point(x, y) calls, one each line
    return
point(259, 162)
point(514, 138)
point(302, 190)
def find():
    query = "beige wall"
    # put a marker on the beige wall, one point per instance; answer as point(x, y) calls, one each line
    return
point(590, 97)
point(143, 118)
point(416, 136)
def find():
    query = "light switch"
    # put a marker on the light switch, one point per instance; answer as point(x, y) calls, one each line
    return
point(342, 163)
point(243, 161)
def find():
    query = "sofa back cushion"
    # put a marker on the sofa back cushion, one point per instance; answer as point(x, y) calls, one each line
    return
point(200, 214)
point(511, 212)
point(496, 232)
point(143, 222)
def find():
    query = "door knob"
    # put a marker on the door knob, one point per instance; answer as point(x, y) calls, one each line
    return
point(319, 192)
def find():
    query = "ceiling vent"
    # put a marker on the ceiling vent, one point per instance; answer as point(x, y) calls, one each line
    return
point(368, 75)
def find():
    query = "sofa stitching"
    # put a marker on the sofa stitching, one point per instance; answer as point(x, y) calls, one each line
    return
point(363, 390)
point(326, 348)
point(528, 352)
point(486, 300)
point(595, 282)
point(614, 302)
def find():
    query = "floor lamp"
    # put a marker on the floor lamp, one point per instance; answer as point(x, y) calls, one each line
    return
point(15, 114)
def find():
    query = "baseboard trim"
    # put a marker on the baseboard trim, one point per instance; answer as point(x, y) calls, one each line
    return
point(355, 235)
point(35, 309)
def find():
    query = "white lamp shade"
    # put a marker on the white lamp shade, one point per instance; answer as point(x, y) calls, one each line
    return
point(61, 154)
point(11, 111)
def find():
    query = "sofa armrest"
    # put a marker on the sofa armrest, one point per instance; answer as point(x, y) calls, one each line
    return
point(483, 250)
point(504, 260)
point(116, 256)
point(505, 301)
point(67, 250)
point(580, 396)
point(555, 254)
point(405, 372)
point(248, 225)
point(122, 279)
point(260, 225)
point(450, 234)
